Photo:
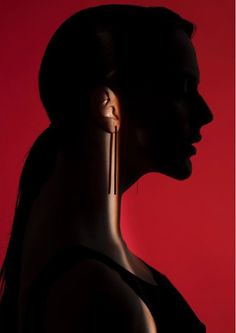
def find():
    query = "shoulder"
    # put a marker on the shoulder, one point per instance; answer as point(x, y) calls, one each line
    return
point(90, 296)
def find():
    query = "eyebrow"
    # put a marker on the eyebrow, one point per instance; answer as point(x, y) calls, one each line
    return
point(191, 75)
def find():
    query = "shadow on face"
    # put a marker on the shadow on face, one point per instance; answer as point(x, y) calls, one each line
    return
point(171, 109)
point(153, 70)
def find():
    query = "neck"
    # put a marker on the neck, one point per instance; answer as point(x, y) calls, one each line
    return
point(74, 205)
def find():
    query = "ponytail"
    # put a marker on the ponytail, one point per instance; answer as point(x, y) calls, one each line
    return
point(37, 169)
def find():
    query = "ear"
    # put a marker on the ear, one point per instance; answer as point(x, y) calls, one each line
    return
point(105, 108)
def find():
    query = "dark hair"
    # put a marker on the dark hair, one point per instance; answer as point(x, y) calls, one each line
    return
point(104, 45)
point(95, 46)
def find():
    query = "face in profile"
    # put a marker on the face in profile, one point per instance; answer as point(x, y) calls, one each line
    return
point(174, 110)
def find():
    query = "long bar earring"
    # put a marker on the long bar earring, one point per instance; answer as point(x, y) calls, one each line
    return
point(115, 159)
point(110, 163)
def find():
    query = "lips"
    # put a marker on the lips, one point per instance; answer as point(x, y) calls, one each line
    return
point(195, 138)
point(192, 150)
point(186, 150)
point(187, 147)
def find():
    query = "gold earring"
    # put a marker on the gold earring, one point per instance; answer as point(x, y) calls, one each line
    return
point(115, 159)
point(110, 161)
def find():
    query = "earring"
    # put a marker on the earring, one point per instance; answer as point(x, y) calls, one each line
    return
point(115, 160)
point(110, 161)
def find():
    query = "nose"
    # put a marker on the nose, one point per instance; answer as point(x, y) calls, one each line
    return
point(204, 114)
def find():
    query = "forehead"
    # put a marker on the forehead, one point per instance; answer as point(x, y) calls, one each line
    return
point(174, 56)
point(180, 55)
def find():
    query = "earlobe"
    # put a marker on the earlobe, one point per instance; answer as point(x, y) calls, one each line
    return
point(105, 109)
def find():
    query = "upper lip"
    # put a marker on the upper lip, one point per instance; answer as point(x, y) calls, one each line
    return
point(195, 139)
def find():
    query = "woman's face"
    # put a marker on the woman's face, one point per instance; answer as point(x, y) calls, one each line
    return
point(172, 110)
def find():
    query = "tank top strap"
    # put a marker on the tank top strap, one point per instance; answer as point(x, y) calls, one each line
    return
point(59, 264)
point(163, 300)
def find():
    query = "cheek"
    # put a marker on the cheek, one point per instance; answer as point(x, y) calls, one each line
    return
point(166, 135)
point(175, 124)
point(165, 128)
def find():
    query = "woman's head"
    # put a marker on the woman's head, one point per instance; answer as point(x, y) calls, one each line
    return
point(144, 55)
point(109, 45)
point(171, 108)
point(135, 57)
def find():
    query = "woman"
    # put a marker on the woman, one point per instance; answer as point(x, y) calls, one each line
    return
point(119, 84)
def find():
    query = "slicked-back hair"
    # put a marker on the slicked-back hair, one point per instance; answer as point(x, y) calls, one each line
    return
point(104, 45)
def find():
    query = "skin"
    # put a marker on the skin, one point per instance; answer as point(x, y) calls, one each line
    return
point(175, 118)
point(74, 206)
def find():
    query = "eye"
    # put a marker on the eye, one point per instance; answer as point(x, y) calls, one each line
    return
point(185, 86)
point(180, 87)
point(188, 88)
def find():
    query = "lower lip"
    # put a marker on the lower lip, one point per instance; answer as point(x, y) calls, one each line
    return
point(191, 150)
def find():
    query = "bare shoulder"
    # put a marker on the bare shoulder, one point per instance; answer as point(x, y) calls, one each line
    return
point(91, 297)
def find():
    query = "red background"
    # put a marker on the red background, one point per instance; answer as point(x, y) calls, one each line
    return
point(185, 229)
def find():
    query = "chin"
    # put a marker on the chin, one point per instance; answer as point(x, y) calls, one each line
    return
point(179, 170)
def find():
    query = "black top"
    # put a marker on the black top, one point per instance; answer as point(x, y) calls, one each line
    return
point(171, 312)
